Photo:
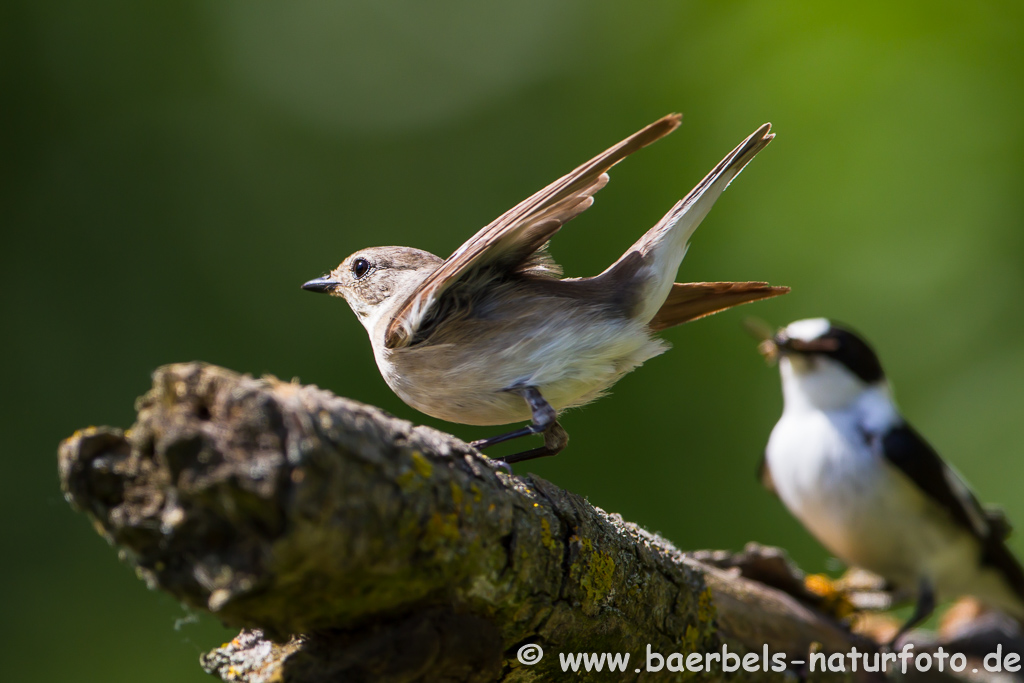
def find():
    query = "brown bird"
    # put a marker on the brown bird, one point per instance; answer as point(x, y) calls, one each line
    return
point(493, 334)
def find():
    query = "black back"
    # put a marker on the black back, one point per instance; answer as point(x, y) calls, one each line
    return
point(911, 454)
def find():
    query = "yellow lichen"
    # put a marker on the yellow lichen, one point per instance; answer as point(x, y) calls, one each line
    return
point(456, 493)
point(443, 527)
point(546, 538)
point(834, 600)
point(595, 571)
point(422, 465)
point(820, 585)
point(407, 481)
point(706, 611)
point(691, 640)
point(599, 579)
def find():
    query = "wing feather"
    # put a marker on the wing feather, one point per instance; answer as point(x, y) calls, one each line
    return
point(698, 202)
point(512, 238)
point(904, 448)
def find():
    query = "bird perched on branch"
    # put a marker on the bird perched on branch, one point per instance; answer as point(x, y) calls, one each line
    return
point(868, 487)
point(493, 334)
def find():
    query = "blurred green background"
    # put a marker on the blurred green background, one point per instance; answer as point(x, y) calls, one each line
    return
point(172, 172)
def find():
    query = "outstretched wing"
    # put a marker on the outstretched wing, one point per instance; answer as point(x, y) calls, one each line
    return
point(904, 448)
point(515, 236)
point(683, 218)
point(661, 249)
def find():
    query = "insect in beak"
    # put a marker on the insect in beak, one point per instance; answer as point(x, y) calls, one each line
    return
point(762, 331)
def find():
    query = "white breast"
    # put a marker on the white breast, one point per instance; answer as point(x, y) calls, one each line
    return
point(840, 491)
point(465, 378)
point(868, 513)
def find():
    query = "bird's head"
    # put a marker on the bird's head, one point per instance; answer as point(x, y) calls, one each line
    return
point(823, 364)
point(376, 281)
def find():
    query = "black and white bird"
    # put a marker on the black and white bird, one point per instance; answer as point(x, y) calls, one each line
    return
point(869, 488)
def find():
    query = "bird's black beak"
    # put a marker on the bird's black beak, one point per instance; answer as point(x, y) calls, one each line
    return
point(780, 344)
point(322, 284)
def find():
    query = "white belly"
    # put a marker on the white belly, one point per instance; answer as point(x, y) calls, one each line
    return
point(868, 513)
point(841, 493)
point(466, 379)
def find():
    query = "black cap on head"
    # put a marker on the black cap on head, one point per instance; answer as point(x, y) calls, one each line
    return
point(841, 344)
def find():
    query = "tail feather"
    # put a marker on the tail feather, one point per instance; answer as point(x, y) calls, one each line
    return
point(692, 300)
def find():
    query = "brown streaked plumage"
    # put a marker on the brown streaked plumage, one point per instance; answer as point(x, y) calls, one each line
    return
point(493, 334)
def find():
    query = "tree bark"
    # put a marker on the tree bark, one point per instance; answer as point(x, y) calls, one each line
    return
point(355, 546)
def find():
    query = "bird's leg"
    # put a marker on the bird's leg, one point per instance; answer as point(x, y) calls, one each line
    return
point(543, 417)
point(922, 610)
point(555, 441)
point(545, 421)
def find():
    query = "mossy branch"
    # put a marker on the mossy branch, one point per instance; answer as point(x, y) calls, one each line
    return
point(364, 548)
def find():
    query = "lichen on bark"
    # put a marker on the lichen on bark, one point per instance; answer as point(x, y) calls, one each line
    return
point(351, 544)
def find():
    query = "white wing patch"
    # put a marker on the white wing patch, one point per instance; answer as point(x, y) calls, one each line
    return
point(979, 520)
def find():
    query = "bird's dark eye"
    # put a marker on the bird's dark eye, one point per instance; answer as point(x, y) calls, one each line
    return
point(360, 267)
